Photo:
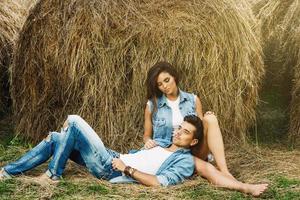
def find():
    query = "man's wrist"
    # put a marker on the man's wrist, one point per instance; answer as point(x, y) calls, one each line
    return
point(129, 171)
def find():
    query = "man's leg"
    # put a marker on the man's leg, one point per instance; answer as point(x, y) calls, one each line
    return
point(221, 179)
point(82, 138)
point(36, 156)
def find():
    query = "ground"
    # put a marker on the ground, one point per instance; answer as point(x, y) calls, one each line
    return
point(273, 164)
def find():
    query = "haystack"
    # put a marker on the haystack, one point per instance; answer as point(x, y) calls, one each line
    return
point(12, 16)
point(280, 22)
point(91, 58)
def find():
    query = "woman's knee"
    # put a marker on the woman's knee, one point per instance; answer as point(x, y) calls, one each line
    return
point(210, 119)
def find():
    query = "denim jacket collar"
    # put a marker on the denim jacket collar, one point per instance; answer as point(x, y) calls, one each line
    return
point(162, 101)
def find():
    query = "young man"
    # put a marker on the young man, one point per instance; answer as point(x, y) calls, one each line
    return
point(79, 142)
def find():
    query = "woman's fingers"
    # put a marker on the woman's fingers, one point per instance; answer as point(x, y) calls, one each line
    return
point(150, 144)
point(209, 113)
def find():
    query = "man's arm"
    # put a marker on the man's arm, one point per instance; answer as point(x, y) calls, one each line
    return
point(143, 178)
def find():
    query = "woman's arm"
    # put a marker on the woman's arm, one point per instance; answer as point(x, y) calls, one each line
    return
point(149, 143)
point(199, 108)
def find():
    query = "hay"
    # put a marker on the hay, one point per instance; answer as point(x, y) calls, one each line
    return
point(27, 4)
point(91, 58)
point(11, 19)
point(280, 22)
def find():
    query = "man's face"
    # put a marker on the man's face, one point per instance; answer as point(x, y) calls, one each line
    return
point(183, 136)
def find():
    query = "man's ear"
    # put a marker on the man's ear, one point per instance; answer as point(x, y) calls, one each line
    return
point(194, 142)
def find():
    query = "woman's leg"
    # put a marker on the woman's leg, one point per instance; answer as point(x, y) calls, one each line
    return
point(82, 138)
point(213, 142)
point(36, 156)
point(221, 179)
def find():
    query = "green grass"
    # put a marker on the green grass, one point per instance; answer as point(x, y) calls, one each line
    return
point(68, 189)
point(281, 187)
point(272, 117)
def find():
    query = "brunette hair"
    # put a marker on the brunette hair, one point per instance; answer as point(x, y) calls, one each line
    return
point(153, 91)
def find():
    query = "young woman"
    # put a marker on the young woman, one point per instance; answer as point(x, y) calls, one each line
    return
point(166, 107)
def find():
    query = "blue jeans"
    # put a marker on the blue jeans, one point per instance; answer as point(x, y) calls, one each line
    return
point(77, 142)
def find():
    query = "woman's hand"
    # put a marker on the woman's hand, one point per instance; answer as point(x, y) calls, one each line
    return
point(118, 164)
point(150, 144)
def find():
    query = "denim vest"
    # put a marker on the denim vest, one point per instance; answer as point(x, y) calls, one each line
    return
point(162, 125)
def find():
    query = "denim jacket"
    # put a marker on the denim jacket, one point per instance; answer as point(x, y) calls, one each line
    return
point(176, 168)
point(162, 117)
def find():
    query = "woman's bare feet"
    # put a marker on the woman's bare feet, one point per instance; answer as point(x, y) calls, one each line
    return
point(255, 189)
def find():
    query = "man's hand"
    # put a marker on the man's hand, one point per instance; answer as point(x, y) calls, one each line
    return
point(150, 144)
point(118, 164)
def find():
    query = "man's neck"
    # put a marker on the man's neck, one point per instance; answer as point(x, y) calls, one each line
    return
point(173, 148)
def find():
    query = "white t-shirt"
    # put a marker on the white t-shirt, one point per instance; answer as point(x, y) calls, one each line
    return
point(146, 160)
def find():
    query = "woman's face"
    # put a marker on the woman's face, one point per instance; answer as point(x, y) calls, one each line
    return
point(166, 84)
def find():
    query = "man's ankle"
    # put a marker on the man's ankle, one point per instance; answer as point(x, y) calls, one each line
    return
point(4, 174)
point(52, 176)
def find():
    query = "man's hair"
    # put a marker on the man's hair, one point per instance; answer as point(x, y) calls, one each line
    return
point(197, 122)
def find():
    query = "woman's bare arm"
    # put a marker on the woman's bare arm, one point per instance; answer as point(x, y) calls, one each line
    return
point(149, 143)
point(199, 110)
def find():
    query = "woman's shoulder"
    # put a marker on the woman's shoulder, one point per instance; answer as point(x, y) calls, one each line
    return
point(188, 95)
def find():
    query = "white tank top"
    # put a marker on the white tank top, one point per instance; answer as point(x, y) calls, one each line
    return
point(146, 160)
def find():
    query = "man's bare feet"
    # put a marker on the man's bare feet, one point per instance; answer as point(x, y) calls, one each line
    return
point(3, 175)
point(255, 189)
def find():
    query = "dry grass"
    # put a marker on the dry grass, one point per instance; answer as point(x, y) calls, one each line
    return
point(28, 4)
point(91, 57)
point(12, 16)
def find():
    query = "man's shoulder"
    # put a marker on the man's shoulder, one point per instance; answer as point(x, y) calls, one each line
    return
point(183, 154)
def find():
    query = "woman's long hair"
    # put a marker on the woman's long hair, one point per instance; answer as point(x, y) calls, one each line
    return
point(153, 91)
